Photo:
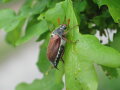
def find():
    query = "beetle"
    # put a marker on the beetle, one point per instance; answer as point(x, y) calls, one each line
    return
point(56, 45)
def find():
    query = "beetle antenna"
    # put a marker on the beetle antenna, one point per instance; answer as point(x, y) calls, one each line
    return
point(58, 21)
point(74, 27)
point(68, 22)
point(70, 29)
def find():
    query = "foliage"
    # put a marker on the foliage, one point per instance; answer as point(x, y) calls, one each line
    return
point(37, 18)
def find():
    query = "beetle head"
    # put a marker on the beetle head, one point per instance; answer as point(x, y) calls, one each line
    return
point(64, 26)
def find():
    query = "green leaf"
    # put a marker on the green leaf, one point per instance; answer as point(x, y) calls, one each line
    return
point(13, 36)
point(110, 72)
point(33, 31)
point(8, 20)
point(116, 41)
point(53, 14)
point(89, 49)
point(72, 69)
point(33, 7)
point(101, 20)
point(52, 81)
point(5, 1)
point(81, 73)
point(92, 50)
point(43, 36)
point(114, 8)
point(43, 63)
point(113, 72)
point(80, 5)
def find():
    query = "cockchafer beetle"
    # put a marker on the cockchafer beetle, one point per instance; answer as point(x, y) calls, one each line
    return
point(57, 43)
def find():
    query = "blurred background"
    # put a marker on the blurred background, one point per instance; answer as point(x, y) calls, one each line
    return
point(18, 64)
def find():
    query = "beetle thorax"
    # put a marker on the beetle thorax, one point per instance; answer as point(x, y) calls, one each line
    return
point(59, 31)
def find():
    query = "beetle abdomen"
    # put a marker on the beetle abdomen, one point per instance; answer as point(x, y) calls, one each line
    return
point(60, 53)
point(53, 47)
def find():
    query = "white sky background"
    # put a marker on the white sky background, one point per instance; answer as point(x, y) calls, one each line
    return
point(19, 65)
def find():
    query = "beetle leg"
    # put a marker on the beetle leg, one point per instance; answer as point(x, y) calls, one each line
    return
point(74, 41)
point(74, 27)
point(68, 23)
point(50, 31)
point(66, 32)
point(70, 41)
point(63, 37)
point(62, 60)
point(52, 67)
point(56, 68)
point(50, 28)
point(69, 29)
